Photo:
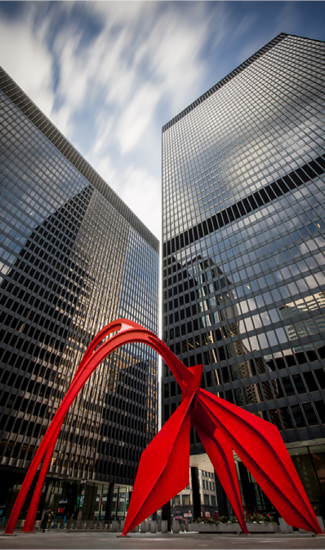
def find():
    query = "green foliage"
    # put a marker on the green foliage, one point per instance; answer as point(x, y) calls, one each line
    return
point(205, 520)
point(259, 518)
point(223, 519)
point(269, 519)
point(211, 520)
point(234, 519)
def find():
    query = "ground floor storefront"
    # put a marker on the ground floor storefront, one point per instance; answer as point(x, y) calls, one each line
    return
point(197, 501)
point(67, 498)
point(309, 461)
point(79, 499)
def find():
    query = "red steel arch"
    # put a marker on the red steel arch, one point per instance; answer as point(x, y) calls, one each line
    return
point(164, 465)
point(127, 332)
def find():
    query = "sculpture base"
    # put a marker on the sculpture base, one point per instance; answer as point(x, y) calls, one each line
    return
point(123, 536)
point(8, 534)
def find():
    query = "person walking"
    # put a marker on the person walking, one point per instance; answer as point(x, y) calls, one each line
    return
point(46, 519)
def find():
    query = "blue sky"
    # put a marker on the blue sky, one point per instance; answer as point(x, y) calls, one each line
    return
point(110, 74)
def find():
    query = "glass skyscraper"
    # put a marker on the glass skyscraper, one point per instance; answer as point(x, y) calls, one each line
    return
point(244, 249)
point(73, 258)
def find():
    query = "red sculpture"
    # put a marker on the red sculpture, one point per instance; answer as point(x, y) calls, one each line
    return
point(164, 466)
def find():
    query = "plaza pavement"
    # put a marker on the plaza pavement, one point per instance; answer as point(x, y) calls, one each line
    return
point(139, 541)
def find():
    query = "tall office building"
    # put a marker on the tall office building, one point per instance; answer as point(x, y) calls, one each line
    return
point(244, 249)
point(73, 258)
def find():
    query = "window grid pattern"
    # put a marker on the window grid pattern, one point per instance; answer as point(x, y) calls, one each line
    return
point(71, 262)
point(243, 238)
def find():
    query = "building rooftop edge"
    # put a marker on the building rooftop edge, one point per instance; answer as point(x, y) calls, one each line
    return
point(228, 77)
point(13, 91)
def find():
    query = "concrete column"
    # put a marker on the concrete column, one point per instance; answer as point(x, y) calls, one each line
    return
point(176, 527)
point(109, 502)
point(248, 489)
point(153, 526)
point(221, 498)
point(47, 497)
point(321, 523)
point(196, 492)
point(164, 526)
point(115, 526)
point(143, 527)
point(285, 528)
point(166, 515)
point(82, 493)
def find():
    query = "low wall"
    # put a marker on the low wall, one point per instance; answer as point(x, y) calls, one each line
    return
point(232, 527)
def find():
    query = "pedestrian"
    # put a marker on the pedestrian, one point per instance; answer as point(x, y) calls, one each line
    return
point(46, 519)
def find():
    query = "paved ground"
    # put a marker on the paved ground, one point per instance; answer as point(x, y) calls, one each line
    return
point(75, 540)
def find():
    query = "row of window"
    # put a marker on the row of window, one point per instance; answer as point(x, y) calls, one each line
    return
point(268, 144)
point(276, 388)
point(247, 205)
point(285, 418)
point(185, 500)
point(62, 284)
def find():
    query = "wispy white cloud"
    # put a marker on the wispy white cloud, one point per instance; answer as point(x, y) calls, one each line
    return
point(139, 191)
point(110, 74)
point(137, 116)
point(144, 55)
point(141, 56)
point(23, 52)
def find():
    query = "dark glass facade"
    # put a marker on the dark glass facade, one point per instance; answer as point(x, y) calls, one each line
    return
point(244, 242)
point(73, 258)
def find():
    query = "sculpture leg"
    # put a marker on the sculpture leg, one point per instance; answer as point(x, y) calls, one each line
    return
point(47, 441)
point(222, 458)
point(32, 510)
point(77, 383)
point(163, 469)
point(164, 466)
point(24, 489)
point(53, 428)
point(260, 446)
